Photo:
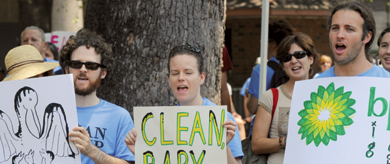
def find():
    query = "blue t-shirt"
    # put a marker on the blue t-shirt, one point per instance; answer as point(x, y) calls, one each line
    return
point(245, 86)
point(253, 88)
point(235, 143)
point(56, 70)
point(317, 74)
point(107, 125)
point(374, 71)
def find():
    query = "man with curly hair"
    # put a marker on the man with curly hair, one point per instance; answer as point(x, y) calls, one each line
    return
point(102, 125)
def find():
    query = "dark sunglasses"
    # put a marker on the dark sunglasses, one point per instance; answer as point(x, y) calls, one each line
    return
point(186, 47)
point(89, 65)
point(296, 54)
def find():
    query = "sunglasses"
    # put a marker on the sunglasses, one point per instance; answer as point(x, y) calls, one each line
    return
point(186, 47)
point(89, 65)
point(296, 54)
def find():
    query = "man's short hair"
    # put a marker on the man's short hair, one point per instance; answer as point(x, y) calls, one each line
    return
point(34, 28)
point(278, 30)
point(366, 14)
point(85, 37)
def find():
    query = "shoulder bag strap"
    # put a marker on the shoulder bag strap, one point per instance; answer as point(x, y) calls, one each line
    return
point(275, 94)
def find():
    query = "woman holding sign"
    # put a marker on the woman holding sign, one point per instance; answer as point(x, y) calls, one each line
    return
point(185, 67)
point(296, 54)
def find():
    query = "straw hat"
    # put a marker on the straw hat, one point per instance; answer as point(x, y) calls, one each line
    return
point(25, 61)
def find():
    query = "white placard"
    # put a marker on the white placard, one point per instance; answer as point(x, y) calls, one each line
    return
point(180, 133)
point(339, 120)
point(58, 38)
point(36, 116)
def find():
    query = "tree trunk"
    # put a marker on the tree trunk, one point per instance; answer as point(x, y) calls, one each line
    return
point(143, 32)
point(67, 15)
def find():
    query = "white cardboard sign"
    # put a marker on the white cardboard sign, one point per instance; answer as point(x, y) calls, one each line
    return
point(180, 134)
point(36, 116)
point(58, 38)
point(339, 120)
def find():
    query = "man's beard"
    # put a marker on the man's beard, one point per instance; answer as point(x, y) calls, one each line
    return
point(93, 85)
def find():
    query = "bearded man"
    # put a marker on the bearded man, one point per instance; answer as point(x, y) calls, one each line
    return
point(102, 125)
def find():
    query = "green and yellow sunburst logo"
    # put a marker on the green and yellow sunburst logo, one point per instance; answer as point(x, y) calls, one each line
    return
point(326, 114)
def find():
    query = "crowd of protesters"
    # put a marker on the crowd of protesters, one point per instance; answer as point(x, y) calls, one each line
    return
point(351, 32)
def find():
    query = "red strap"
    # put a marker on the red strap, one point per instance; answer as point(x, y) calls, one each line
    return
point(275, 94)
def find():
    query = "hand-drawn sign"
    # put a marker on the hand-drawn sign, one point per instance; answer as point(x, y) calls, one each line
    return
point(186, 134)
point(339, 120)
point(326, 114)
point(39, 134)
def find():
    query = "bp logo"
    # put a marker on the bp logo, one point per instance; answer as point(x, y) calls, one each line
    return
point(326, 115)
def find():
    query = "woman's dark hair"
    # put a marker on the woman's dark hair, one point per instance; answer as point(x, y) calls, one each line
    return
point(278, 30)
point(53, 49)
point(302, 40)
point(382, 34)
point(188, 50)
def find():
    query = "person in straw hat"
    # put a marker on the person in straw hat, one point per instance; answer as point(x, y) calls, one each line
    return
point(25, 62)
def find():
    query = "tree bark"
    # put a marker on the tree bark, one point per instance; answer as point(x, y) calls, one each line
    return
point(143, 32)
point(67, 15)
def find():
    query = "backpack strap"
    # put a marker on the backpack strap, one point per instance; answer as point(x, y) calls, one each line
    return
point(275, 94)
point(273, 64)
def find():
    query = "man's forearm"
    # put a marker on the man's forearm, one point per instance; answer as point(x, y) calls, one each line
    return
point(100, 157)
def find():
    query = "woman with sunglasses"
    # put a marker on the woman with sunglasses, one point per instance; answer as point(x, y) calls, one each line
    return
point(296, 54)
point(185, 76)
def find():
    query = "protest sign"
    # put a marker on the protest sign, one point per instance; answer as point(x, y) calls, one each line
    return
point(58, 38)
point(180, 134)
point(36, 116)
point(339, 120)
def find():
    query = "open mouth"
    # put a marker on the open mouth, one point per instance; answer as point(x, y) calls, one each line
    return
point(182, 89)
point(82, 78)
point(386, 60)
point(340, 47)
point(296, 68)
